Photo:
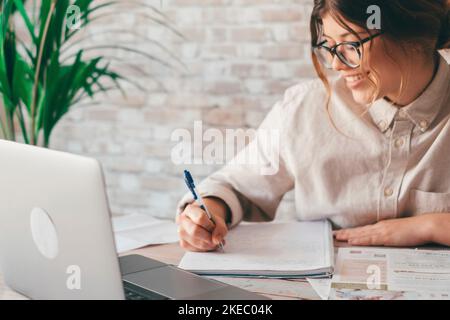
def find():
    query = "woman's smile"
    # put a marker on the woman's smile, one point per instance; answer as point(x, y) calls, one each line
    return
point(355, 80)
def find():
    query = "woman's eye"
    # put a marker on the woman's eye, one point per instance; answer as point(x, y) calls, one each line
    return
point(329, 43)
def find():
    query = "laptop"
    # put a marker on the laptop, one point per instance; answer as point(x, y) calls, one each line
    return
point(56, 239)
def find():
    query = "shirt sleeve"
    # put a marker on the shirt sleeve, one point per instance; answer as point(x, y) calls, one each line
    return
point(254, 182)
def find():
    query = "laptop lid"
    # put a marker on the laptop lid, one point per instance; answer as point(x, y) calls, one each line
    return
point(56, 239)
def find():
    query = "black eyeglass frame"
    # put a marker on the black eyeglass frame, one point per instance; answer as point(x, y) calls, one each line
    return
point(356, 44)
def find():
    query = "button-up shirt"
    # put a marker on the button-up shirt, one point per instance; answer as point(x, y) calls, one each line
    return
point(382, 162)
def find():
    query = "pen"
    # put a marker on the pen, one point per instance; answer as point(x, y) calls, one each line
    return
point(191, 185)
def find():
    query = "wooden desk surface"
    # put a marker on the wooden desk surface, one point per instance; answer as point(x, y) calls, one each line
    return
point(272, 288)
point(172, 254)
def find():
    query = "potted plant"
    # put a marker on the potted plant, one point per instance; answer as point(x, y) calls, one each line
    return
point(39, 80)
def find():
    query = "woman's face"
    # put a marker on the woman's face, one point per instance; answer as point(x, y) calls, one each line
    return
point(375, 58)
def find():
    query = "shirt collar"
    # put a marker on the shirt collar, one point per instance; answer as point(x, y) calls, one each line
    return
point(421, 111)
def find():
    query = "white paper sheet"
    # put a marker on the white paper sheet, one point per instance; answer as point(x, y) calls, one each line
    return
point(350, 294)
point(419, 270)
point(275, 246)
point(357, 267)
point(402, 274)
point(138, 230)
point(321, 286)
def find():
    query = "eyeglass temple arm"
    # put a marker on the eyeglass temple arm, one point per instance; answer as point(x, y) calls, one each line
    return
point(357, 42)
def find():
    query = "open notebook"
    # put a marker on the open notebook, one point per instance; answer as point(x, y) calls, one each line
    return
point(274, 249)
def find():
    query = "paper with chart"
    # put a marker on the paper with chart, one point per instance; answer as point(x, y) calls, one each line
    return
point(393, 274)
point(419, 270)
point(269, 249)
point(138, 230)
point(350, 294)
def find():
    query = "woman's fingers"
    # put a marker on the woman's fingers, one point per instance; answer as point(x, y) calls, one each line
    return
point(195, 234)
point(199, 217)
point(345, 234)
point(220, 231)
point(372, 240)
point(362, 236)
point(341, 235)
point(186, 245)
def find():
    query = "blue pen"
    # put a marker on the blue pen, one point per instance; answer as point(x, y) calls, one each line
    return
point(191, 185)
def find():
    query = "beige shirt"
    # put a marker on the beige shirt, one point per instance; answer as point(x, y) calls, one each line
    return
point(389, 163)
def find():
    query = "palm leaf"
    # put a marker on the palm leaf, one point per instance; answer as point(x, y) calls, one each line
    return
point(39, 80)
point(21, 8)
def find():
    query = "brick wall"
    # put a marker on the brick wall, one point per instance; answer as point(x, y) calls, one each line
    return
point(239, 57)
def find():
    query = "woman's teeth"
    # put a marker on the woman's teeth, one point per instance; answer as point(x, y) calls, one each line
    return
point(354, 78)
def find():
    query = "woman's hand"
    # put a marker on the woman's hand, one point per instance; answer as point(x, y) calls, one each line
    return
point(197, 232)
point(401, 232)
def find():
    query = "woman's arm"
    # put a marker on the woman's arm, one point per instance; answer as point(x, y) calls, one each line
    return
point(403, 232)
point(440, 230)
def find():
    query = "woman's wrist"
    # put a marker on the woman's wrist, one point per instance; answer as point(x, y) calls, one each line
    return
point(425, 227)
point(428, 225)
point(438, 229)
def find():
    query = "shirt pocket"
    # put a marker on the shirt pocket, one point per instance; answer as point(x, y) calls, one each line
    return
point(429, 202)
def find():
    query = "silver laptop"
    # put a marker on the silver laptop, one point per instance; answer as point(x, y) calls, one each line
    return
point(56, 239)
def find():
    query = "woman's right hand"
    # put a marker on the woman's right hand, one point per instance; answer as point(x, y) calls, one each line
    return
point(197, 232)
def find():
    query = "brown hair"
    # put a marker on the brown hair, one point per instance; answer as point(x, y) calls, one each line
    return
point(417, 25)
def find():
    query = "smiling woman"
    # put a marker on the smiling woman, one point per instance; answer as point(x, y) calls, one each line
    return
point(396, 65)
point(385, 180)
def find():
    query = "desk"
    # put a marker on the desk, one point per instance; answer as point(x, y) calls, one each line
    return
point(172, 254)
point(293, 289)
point(272, 288)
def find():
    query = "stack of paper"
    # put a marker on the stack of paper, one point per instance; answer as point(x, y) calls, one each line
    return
point(275, 249)
point(138, 230)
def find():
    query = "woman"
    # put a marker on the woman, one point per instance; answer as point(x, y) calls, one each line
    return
point(370, 151)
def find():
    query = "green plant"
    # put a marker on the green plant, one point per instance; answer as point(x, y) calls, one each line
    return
point(39, 79)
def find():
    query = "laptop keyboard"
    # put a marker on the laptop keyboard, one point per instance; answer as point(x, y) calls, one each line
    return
point(141, 294)
point(130, 295)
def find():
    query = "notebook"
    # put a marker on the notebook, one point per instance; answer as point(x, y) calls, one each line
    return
point(274, 249)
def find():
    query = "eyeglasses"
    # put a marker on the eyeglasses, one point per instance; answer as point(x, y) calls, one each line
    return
point(348, 52)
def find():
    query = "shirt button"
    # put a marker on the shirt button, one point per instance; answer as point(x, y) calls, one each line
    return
point(382, 124)
point(423, 124)
point(388, 192)
point(399, 142)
